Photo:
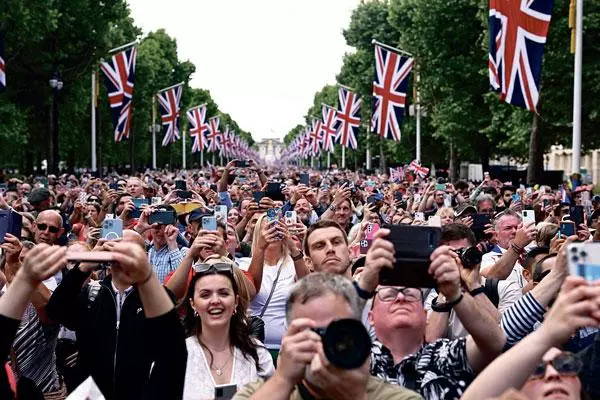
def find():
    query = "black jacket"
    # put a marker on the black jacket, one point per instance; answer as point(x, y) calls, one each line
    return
point(118, 356)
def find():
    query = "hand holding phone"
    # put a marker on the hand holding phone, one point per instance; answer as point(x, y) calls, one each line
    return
point(209, 223)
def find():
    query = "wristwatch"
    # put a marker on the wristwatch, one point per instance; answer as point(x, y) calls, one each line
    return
point(446, 307)
point(298, 257)
point(477, 291)
point(333, 207)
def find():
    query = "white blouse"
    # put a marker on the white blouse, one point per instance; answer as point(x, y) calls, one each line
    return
point(199, 382)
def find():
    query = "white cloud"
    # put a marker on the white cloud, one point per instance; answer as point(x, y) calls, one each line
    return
point(262, 60)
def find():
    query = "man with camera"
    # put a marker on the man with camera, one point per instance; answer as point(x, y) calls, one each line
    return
point(438, 370)
point(315, 363)
point(492, 295)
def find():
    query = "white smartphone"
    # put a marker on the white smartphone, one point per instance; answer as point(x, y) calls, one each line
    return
point(156, 201)
point(528, 216)
point(221, 213)
point(290, 217)
point(435, 220)
point(420, 216)
point(584, 260)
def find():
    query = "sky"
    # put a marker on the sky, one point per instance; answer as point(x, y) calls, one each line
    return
point(262, 60)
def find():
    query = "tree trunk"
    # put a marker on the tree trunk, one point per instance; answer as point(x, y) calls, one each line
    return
point(382, 161)
point(452, 165)
point(485, 154)
point(535, 164)
point(132, 148)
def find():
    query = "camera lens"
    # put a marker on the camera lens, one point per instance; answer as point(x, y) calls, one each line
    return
point(346, 343)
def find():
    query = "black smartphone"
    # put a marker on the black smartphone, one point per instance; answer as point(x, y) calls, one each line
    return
point(413, 246)
point(180, 184)
point(480, 221)
point(576, 215)
point(184, 194)
point(225, 392)
point(258, 196)
point(213, 187)
point(162, 218)
point(138, 203)
point(305, 179)
point(398, 196)
point(10, 222)
point(567, 228)
point(274, 191)
point(240, 164)
point(113, 186)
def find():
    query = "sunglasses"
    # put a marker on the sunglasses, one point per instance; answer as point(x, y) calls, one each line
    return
point(50, 228)
point(218, 267)
point(566, 364)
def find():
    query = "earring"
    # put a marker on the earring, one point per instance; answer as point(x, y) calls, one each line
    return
point(195, 314)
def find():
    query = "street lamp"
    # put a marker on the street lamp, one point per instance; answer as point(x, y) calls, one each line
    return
point(56, 84)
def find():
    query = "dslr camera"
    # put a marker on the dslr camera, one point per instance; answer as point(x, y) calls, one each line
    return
point(469, 256)
point(346, 343)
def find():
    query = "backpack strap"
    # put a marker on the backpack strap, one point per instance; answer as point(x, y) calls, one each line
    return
point(491, 290)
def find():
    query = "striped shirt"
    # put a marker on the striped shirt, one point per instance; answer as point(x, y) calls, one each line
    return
point(519, 320)
point(165, 261)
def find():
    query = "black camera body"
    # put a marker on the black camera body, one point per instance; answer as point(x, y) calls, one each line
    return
point(346, 343)
point(469, 256)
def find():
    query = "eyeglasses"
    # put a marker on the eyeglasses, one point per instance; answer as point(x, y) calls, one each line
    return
point(566, 364)
point(218, 267)
point(50, 228)
point(390, 293)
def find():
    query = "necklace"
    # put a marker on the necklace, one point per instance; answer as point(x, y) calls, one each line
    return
point(219, 370)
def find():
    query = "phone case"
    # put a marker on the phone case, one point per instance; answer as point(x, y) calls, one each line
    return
point(583, 259)
point(209, 223)
point(112, 229)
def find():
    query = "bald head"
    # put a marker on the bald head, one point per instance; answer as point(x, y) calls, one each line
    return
point(48, 227)
point(132, 236)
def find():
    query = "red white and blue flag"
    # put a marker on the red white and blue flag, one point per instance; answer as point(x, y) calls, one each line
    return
point(518, 30)
point(168, 104)
point(228, 137)
point(214, 135)
point(328, 127)
point(392, 71)
point(198, 127)
point(2, 64)
point(119, 77)
point(418, 169)
point(348, 117)
point(397, 174)
point(316, 137)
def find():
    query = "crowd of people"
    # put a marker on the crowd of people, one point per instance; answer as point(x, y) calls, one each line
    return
point(255, 282)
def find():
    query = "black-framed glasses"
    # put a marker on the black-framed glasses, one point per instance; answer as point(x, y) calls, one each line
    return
point(566, 364)
point(218, 267)
point(50, 228)
point(390, 293)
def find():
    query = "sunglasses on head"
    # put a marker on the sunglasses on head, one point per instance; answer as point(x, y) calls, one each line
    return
point(566, 364)
point(50, 228)
point(218, 267)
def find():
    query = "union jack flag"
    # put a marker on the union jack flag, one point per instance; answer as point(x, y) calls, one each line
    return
point(306, 143)
point(214, 134)
point(421, 171)
point(228, 138)
point(119, 77)
point(397, 174)
point(316, 137)
point(2, 64)
point(518, 30)
point(328, 127)
point(389, 92)
point(348, 118)
point(168, 104)
point(198, 127)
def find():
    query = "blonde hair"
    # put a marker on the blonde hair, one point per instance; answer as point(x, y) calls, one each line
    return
point(545, 232)
point(445, 212)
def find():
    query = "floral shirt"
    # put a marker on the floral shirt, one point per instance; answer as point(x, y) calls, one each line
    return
point(439, 370)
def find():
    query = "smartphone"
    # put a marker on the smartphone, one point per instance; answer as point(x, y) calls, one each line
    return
point(528, 216)
point(113, 186)
point(162, 218)
point(180, 184)
point(138, 203)
point(435, 220)
point(365, 245)
point(545, 203)
point(576, 213)
point(440, 186)
point(184, 194)
point(398, 196)
point(242, 179)
point(371, 230)
point(209, 223)
point(221, 213)
point(225, 392)
point(90, 256)
point(420, 216)
point(448, 200)
point(305, 179)
point(567, 228)
point(10, 222)
point(240, 164)
point(584, 260)
point(213, 187)
point(413, 246)
point(274, 191)
point(274, 214)
point(290, 217)
point(258, 196)
point(112, 229)
point(516, 197)
point(156, 201)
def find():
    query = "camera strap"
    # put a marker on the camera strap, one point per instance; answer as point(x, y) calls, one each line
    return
point(272, 288)
point(304, 393)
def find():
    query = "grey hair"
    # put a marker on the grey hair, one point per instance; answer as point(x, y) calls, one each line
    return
point(485, 197)
point(319, 284)
point(505, 213)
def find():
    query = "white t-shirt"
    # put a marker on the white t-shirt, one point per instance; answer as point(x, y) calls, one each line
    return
point(489, 259)
point(199, 382)
point(274, 316)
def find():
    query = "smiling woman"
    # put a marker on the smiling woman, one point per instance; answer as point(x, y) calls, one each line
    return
point(220, 348)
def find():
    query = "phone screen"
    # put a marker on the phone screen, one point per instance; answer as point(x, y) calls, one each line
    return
point(567, 229)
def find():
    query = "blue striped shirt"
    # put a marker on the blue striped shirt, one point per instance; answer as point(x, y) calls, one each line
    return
point(164, 261)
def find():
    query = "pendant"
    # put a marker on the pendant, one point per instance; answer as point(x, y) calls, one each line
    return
point(218, 372)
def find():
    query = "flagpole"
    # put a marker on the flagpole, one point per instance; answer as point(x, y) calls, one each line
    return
point(125, 46)
point(328, 160)
point(154, 132)
point(170, 87)
point(202, 158)
point(94, 159)
point(391, 48)
point(576, 162)
point(418, 113)
point(183, 150)
point(343, 157)
point(368, 147)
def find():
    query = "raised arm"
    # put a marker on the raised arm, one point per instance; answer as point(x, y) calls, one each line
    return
point(504, 266)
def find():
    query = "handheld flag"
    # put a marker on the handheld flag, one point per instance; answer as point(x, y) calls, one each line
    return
point(198, 128)
point(348, 117)
point(518, 30)
point(168, 104)
point(119, 77)
point(419, 170)
point(392, 71)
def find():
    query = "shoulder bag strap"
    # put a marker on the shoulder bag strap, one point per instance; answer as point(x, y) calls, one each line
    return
point(272, 290)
